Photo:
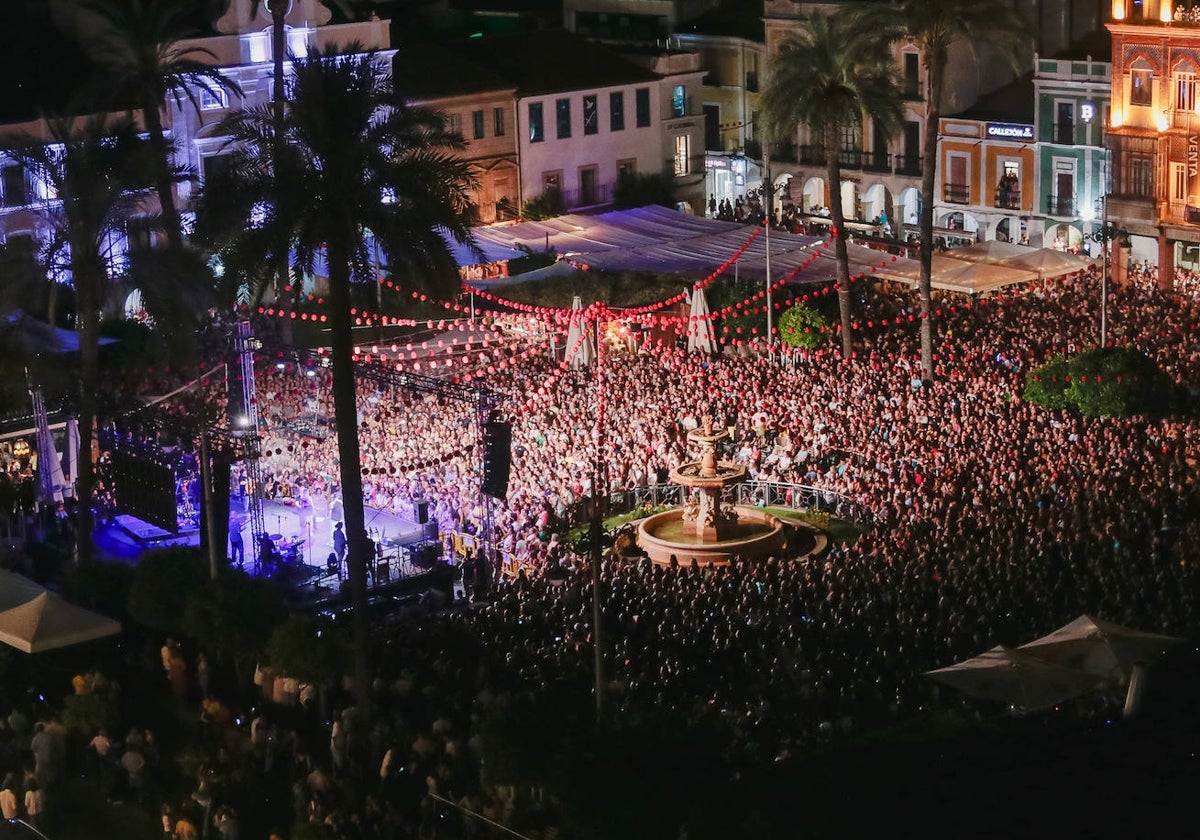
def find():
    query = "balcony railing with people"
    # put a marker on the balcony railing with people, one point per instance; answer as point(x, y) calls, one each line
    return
point(1061, 205)
point(1008, 198)
point(957, 194)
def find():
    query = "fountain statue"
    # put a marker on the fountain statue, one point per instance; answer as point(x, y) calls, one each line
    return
point(706, 529)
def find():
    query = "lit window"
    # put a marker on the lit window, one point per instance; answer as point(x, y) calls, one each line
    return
point(1141, 87)
point(679, 101)
point(212, 99)
point(1185, 91)
point(681, 154)
point(477, 124)
point(114, 248)
point(1179, 182)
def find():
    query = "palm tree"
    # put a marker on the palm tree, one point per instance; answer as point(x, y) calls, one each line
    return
point(355, 158)
point(95, 172)
point(935, 26)
point(831, 74)
point(137, 43)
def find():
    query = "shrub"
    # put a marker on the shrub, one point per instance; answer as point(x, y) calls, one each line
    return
point(640, 190)
point(1047, 385)
point(1118, 382)
point(1106, 382)
point(546, 206)
point(162, 582)
point(803, 326)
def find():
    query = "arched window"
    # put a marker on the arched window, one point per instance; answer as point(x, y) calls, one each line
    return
point(1141, 83)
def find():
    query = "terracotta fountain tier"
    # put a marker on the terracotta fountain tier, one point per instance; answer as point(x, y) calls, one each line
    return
point(706, 529)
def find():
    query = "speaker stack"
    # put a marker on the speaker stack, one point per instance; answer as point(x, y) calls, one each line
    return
point(497, 458)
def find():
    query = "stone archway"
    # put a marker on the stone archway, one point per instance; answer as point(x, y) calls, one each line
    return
point(908, 207)
point(813, 194)
point(850, 201)
point(877, 202)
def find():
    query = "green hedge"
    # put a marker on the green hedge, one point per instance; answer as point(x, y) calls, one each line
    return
point(1106, 382)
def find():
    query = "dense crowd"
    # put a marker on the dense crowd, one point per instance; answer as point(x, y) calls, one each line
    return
point(994, 521)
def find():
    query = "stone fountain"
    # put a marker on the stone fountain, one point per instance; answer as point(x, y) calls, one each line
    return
point(705, 528)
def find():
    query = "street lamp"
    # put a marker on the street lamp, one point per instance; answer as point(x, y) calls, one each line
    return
point(595, 510)
point(1107, 234)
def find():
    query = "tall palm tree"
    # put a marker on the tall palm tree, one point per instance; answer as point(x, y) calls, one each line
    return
point(935, 26)
point(95, 172)
point(831, 74)
point(137, 43)
point(355, 158)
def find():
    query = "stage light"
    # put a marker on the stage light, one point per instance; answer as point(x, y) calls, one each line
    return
point(310, 373)
point(280, 366)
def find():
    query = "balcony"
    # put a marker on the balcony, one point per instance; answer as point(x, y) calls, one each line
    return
point(850, 158)
point(957, 194)
point(912, 90)
point(1007, 199)
point(877, 161)
point(1061, 205)
point(811, 156)
point(908, 165)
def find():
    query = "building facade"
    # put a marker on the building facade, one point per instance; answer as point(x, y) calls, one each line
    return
point(985, 185)
point(1071, 163)
point(1153, 130)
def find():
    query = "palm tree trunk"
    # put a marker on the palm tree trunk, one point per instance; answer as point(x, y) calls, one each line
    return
point(278, 9)
point(87, 304)
point(163, 180)
point(935, 71)
point(345, 411)
point(833, 172)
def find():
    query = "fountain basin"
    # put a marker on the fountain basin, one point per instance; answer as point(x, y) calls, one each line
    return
point(755, 534)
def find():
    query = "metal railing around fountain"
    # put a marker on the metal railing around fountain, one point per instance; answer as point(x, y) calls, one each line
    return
point(753, 493)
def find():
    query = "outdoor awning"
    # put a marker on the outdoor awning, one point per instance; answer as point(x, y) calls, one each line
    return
point(953, 275)
point(665, 240)
point(47, 622)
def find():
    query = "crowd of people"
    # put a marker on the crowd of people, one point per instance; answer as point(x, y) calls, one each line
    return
point(994, 521)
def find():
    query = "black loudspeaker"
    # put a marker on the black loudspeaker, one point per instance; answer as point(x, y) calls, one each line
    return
point(497, 458)
point(422, 511)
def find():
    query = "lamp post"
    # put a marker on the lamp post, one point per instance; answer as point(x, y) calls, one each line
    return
point(595, 508)
point(768, 194)
point(1105, 236)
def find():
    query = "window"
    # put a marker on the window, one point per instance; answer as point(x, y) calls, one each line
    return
point(591, 117)
point(1185, 91)
point(454, 123)
point(1141, 176)
point(616, 111)
point(213, 99)
point(12, 181)
point(498, 122)
point(562, 117)
point(552, 182)
point(679, 101)
point(626, 168)
point(1179, 182)
point(1141, 87)
point(849, 137)
point(536, 134)
point(1012, 169)
point(643, 107)
point(477, 124)
point(681, 154)
point(912, 75)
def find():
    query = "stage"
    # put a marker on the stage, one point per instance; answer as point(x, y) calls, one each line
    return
point(302, 537)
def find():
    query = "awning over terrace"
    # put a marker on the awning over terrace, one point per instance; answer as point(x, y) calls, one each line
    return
point(661, 239)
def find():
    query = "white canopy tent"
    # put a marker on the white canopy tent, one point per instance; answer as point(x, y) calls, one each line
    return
point(47, 622)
